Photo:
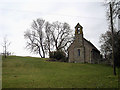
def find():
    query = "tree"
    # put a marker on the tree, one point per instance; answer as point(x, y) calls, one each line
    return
point(48, 39)
point(45, 37)
point(106, 45)
point(117, 49)
point(114, 5)
point(35, 37)
point(112, 12)
point(105, 41)
point(5, 45)
point(61, 35)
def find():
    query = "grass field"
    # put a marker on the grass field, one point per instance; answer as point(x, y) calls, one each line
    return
point(29, 72)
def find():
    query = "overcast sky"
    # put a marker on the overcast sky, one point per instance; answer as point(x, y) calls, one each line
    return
point(16, 16)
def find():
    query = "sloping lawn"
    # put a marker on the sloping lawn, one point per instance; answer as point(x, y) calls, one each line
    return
point(30, 72)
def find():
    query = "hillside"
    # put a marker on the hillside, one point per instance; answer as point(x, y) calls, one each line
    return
point(29, 72)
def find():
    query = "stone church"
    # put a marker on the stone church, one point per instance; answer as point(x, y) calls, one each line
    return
point(82, 50)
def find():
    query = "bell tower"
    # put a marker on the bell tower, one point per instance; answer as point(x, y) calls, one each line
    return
point(79, 34)
point(79, 49)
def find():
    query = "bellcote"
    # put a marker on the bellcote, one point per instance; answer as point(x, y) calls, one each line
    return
point(78, 29)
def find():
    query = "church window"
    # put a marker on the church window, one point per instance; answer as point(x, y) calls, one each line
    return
point(78, 52)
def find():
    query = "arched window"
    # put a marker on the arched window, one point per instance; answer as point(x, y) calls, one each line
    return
point(78, 52)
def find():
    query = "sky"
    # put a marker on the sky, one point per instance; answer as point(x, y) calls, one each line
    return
point(16, 17)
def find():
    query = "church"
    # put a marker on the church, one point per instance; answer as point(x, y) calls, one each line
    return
point(82, 50)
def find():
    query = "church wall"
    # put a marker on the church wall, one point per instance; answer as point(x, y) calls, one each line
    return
point(95, 56)
point(79, 44)
point(71, 54)
point(89, 57)
point(87, 52)
point(78, 58)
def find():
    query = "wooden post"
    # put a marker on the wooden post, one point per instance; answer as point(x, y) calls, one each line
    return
point(113, 55)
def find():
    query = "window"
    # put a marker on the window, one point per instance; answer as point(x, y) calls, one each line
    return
point(78, 30)
point(78, 52)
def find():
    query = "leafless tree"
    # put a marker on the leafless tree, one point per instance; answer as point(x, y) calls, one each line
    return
point(35, 37)
point(48, 39)
point(44, 37)
point(114, 4)
point(112, 12)
point(104, 39)
point(106, 44)
point(60, 35)
point(5, 45)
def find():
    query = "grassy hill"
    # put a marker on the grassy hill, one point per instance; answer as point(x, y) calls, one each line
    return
point(29, 72)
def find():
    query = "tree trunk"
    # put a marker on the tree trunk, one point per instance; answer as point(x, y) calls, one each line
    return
point(43, 51)
point(48, 45)
point(39, 52)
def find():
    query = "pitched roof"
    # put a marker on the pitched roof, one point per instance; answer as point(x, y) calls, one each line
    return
point(91, 44)
point(78, 25)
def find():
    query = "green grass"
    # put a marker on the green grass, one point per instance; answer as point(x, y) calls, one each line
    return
point(29, 72)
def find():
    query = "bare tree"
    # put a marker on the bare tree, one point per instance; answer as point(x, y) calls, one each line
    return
point(114, 5)
point(44, 37)
point(49, 39)
point(112, 12)
point(5, 45)
point(106, 45)
point(60, 34)
point(35, 37)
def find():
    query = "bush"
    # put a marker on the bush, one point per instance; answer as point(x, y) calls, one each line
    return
point(58, 55)
point(51, 54)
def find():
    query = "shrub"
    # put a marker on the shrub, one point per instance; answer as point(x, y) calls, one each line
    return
point(58, 55)
point(51, 54)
